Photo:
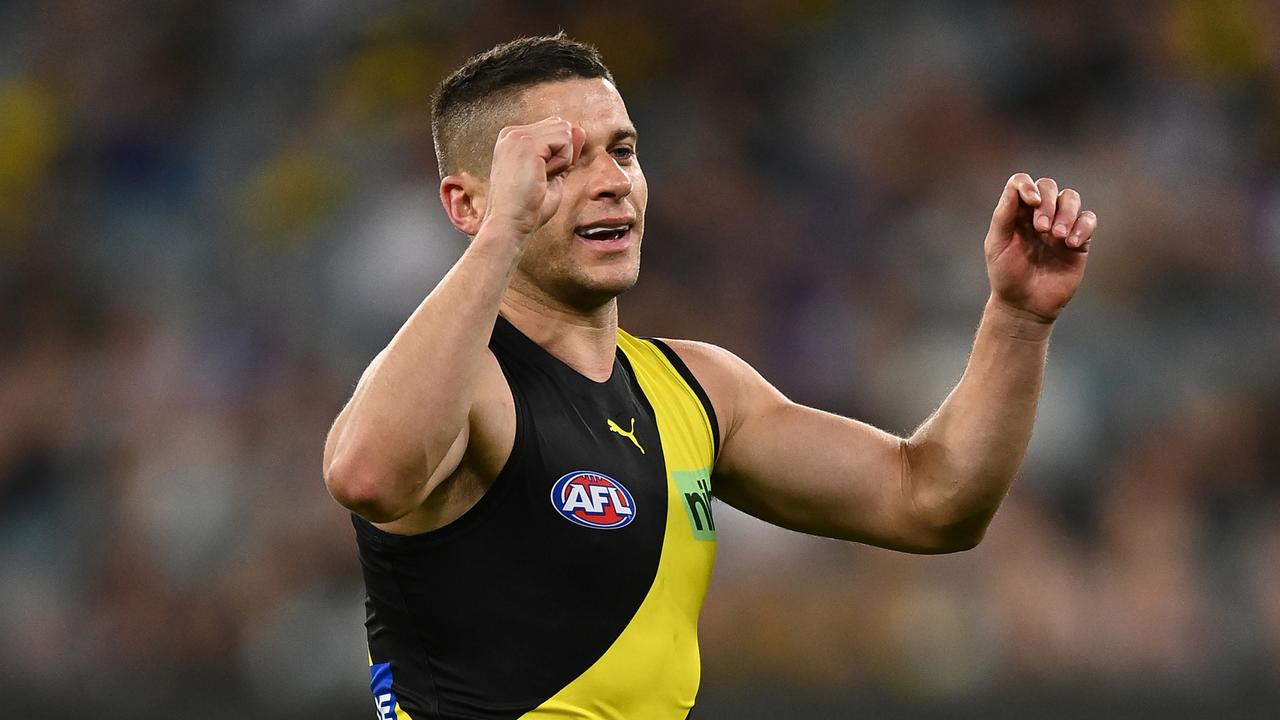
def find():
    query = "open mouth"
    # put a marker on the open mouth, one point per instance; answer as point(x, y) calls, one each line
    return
point(603, 233)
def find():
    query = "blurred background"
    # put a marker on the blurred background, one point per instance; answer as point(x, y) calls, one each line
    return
point(213, 215)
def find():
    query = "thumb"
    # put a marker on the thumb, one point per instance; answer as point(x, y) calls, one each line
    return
point(578, 139)
point(1002, 218)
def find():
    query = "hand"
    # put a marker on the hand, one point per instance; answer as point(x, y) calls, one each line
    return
point(527, 174)
point(1037, 247)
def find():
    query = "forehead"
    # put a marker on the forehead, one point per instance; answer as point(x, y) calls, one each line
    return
point(593, 103)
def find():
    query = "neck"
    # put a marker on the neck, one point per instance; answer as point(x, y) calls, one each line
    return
point(585, 340)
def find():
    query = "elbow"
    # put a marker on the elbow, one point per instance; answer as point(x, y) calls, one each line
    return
point(929, 539)
point(945, 514)
point(958, 539)
point(947, 529)
point(365, 489)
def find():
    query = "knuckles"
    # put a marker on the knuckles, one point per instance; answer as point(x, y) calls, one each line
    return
point(1053, 200)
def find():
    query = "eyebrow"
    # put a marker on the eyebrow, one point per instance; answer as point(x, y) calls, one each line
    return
point(623, 133)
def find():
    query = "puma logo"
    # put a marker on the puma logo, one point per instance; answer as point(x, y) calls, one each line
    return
point(630, 435)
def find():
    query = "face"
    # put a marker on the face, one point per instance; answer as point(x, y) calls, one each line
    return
point(577, 259)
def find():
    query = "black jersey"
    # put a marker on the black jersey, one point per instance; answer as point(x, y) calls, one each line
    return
point(572, 588)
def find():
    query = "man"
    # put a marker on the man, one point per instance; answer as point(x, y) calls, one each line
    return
point(532, 486)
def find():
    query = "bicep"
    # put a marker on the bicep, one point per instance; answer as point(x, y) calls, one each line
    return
point(471, 462)
point(813, 471)
point(802, 468)
point(818, 473)
point(485, 439)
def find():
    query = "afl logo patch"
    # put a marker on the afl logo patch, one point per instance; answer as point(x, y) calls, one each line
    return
point(593, 500)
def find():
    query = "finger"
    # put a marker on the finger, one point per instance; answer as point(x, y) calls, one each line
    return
point(547, 122)
point(529, 130)
point(1019, 186)
point(1043, 217)
point(1068, 210)
point(1027, 190)
point(1082, 231)
point(558, 149)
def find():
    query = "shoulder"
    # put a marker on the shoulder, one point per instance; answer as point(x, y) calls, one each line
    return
point(718, 365)
point(710, 363)
point(732, 385)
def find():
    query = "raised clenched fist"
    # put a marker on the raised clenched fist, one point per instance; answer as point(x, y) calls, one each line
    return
point(1037, 246)
point(526, 176)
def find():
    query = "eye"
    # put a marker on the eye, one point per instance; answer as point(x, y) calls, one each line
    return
point(623, 153)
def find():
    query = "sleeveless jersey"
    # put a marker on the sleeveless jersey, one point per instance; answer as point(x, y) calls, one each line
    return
point(572, 588)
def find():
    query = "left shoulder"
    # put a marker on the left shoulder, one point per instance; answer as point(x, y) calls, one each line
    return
point(731, 384)
point(718, 365)
point(704, 355)
point(711, 364)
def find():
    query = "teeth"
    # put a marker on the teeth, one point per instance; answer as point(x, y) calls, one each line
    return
point(602, 231)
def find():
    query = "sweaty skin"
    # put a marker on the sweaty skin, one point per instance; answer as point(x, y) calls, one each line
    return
point(432, 420)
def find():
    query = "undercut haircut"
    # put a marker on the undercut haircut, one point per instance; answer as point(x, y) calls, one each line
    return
point(465, 105)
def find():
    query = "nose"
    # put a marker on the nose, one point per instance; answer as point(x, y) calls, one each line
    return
point(609, 180)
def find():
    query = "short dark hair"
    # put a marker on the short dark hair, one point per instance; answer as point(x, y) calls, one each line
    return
point(465, 98)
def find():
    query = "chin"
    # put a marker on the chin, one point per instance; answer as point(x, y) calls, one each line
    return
point(592, 292)
point(603, 292)
point(619, 280)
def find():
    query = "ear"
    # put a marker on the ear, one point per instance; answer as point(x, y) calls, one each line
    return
point(463, 198)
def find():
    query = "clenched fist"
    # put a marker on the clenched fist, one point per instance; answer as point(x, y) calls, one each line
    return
point(527, 173)
point(1037, 246)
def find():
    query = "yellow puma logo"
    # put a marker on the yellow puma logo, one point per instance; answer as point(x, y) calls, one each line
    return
point(613, 427)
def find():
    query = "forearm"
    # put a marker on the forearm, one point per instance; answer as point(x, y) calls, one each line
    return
point(959, 464)
point(412, 402)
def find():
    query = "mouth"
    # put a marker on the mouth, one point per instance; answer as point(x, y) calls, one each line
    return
point(607, 233)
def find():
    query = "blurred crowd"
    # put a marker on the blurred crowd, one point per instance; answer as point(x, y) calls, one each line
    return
point(213, 215)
